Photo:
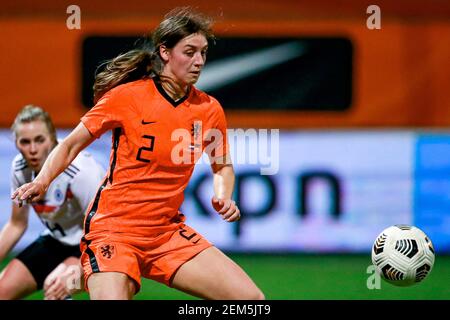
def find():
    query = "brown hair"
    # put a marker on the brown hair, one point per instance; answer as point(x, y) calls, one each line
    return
point(30, 113)
point(144, 62)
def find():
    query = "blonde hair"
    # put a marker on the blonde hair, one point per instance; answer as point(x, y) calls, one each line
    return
point(30, 113)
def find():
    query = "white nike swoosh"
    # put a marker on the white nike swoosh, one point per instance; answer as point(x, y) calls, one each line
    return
point(225, 71)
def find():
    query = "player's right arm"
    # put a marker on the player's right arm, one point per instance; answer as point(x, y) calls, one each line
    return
point(58, 160)
point(13, 230)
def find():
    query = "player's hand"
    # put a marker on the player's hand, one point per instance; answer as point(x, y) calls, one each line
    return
point(227, 208)
point(29, 192)
point(57, 286)
point(55, 289)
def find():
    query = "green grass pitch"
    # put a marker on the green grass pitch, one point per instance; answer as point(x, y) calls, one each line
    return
point(296, 277)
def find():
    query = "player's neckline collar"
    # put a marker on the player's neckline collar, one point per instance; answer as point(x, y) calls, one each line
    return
point(163, 92)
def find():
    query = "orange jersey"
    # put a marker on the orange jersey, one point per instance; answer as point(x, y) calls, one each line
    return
point(144, 186)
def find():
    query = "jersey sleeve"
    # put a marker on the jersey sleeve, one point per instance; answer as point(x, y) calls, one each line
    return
point(217, 140)
point(15, 180)
point(86, 182)
point(110, 111)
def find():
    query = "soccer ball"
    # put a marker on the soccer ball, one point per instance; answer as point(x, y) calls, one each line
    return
point(403, 255)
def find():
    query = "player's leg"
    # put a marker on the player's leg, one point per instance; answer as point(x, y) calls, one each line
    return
point(40, 258)
point(111, 286)
point(111, 268)
point(65, 280)
point(26, 273)
point(16, 281)
point(212, 275)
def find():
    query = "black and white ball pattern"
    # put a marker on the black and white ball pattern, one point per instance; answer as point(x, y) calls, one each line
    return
point(403, 255)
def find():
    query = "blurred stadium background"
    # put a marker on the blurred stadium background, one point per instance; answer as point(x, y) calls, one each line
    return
point(364, 118)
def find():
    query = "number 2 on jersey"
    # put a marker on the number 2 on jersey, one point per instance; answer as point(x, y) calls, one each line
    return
point(146, 148)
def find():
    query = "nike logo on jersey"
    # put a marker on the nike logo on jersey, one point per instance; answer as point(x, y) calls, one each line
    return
point(219, 73)
point(147, 122)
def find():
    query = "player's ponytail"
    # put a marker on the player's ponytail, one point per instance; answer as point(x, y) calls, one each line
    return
point(144, 63)
point(130, 66)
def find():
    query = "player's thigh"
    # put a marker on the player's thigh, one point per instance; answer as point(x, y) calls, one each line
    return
point(111, 286)
point(113, 266)
point(16, 281)
point(212, 275)
point(44, 255)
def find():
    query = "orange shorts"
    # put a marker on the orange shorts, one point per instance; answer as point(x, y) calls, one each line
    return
point(155, 258)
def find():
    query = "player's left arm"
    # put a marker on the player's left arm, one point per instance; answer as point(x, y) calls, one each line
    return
point(223, 181)
point(221, 165)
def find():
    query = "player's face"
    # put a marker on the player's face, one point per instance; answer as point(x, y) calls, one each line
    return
point(34, 142)
point(185, 61)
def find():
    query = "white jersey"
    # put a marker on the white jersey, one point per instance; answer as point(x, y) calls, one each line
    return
point(67, 198)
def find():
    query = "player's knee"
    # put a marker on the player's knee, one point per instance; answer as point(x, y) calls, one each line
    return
point(110, 295)
point(5, 292)
point(253, 294)
point(257, 295)
point(260, 296)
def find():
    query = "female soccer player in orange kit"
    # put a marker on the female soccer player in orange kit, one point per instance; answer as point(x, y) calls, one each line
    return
point(133, 227)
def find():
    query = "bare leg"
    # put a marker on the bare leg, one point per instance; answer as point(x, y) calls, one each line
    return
point(212, 275)
point(111, 286)
point(16, 281)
